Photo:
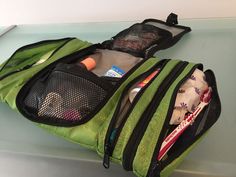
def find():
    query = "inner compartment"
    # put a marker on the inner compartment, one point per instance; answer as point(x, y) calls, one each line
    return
point(73, 91)
point(138, 39)
point(69, 94)
point(106, 60)
point(172, 29)
point(22, 60)
point(206, 118)
point(129, 99)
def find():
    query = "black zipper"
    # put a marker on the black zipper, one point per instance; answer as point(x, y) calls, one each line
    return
point(14, 72)
point(76, 70)
point(132, 145)
point(68, 59)
point(28, 47)
point(164, 35)
point(44, 73)
point(156, 166)
point(159, 65)
point(80, 73)
point(33, 45)
point(109, 146)
point(164, 163)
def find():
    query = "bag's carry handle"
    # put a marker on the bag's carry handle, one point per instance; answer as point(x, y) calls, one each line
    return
point(172, 19)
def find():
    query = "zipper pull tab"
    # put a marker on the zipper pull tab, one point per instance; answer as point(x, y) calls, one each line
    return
point(106, 158)
point(155, 170)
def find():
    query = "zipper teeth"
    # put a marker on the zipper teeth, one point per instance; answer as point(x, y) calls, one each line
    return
point(165, 163)
point(135, 139)
point(29, 47)
point(107, 144)
point(46, 71)
point(110, 148)
point(87, 76)
point(135, 101)
point(68, 59)
point(166, 123)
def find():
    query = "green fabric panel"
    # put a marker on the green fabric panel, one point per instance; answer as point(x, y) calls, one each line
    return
point(172, 166)
point(139, 109)
point(147, 145)
point(87, 134)
point(29, 56)
point(2, 64)
point(10, 86)
point(102, 132)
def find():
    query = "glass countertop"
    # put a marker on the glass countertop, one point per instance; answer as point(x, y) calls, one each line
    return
point(211, 42)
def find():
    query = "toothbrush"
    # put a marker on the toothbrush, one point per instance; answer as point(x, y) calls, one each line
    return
point(175, 134)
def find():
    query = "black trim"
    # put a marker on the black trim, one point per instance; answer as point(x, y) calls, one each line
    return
point(154, 168)
point(109, 146)
point(213, 111)
point(47, 70)
point(165, 42)
point(32, 46)
point(172, 19)
point(188, 29)
point(76, 70)
point(112, 80)
point(41, 75)
point(73, 70)
point(153, 49)
point(164, 36)
point(135, 138)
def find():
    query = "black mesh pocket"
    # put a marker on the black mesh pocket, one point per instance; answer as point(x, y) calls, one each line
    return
point(138, 38)
point(68, 95)
point(146, 38)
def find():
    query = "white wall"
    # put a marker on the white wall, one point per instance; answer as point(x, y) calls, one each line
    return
point(61, 11)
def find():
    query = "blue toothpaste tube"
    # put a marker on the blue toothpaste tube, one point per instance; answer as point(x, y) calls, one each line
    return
point(115, 72)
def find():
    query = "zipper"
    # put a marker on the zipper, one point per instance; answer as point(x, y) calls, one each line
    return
point(156, 165)
point(44, 73)
point(155, 169)
point(110, 144)
point(14, 72)
point(77, 71)
point(149, 50)
point(163, 164)
point(132, 145)
point(29, 47)
point(68, 59)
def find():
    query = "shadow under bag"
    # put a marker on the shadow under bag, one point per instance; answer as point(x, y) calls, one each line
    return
point(115, 97)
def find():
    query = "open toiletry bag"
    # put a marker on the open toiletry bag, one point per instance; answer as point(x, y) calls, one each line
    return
point(115, 97)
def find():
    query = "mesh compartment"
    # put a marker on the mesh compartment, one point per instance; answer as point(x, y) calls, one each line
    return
point(64, 97)
point(138, 38)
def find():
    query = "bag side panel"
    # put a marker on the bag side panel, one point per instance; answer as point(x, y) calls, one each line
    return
point(144, 155)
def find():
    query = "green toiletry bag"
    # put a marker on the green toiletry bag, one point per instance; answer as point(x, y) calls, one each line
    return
point(45, 82)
